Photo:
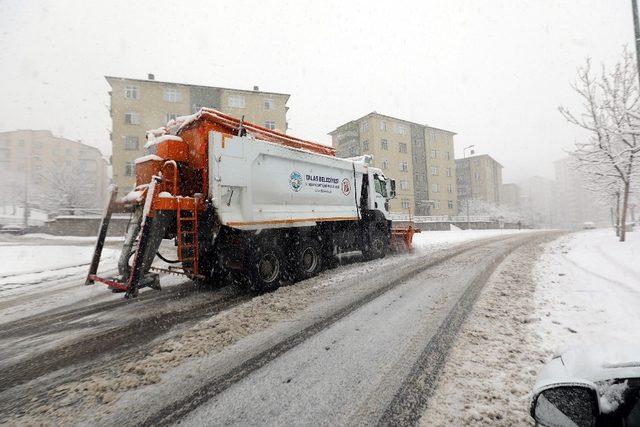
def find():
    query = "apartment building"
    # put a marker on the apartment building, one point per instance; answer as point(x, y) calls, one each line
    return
point(510, 196)
point(138, 105)
point(420, 158)
point(576, 204)
point(480, 178)
point(37, 166)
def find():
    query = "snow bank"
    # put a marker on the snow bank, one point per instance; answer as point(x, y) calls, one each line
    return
point(38, 266)
point(35, 259)
point(430, 238)
point(589, 290)
point(67, 238)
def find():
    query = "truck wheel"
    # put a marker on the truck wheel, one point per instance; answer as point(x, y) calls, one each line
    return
point(267, 268)
point(378, 244)
point(309, 259)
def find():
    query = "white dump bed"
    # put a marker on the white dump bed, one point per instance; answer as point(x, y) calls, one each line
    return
point(256, 184)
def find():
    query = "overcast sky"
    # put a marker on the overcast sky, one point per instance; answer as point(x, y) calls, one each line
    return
point(492, 71)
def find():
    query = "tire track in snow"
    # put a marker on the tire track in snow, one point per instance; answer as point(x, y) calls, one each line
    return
point(176, 411)
point(93, 352)
point(410, 401)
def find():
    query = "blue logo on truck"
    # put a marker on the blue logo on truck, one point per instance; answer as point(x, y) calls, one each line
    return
point(295, 181)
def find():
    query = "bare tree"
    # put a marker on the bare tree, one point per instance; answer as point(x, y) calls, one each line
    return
point(64, 187)
point(495, 212)
point(609, 159)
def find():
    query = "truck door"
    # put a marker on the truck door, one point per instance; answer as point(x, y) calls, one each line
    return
point(380, 194)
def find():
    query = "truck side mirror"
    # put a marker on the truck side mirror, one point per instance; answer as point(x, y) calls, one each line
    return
point(566, 405)
point(392, 191)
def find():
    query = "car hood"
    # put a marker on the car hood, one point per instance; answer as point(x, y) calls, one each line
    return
point(592, 363)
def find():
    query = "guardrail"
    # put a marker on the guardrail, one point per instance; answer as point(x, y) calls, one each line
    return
point(440, 218)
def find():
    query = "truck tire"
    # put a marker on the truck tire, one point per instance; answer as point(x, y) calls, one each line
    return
point(377, 247)
point(308, 259)
point(267, 270)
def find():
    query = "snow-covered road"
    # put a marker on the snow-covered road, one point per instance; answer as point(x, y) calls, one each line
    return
point(354, 343)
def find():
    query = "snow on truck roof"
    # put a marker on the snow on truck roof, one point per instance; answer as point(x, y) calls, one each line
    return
point(231, 123)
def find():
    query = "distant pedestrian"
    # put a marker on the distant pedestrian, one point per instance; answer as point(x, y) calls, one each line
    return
point(519, 224)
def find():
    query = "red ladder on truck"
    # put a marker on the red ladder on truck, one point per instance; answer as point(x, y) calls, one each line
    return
point(187, 236)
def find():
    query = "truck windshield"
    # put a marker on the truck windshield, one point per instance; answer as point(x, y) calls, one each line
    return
point(380, 185)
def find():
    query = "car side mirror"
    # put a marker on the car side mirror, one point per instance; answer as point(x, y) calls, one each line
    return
point(392, 191)
point(566, 405)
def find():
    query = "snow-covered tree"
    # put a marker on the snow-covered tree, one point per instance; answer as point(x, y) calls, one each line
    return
point(64, 188)
point(479, 207)
point(609, 159)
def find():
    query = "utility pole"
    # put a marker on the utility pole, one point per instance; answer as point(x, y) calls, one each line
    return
point(636, 29)
point(469, 192)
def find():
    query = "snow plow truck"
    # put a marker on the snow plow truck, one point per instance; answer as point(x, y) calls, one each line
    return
point(242, 200)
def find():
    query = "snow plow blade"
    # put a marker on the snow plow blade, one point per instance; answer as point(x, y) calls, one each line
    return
point(402, 238)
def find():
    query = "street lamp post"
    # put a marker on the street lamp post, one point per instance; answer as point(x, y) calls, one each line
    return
point(464, 156)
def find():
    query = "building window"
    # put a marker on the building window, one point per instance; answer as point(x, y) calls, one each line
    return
point(436, 204)
point(404, 167)
point(131, 118)
point(131, 92)
point(402, 147)
point(269, 104)
point(170, 116)
point(434, 188)
point(130, 169)
point(450, 204)
point(404, 185)
point(434, 170)
point(269, 124)
point(131, 143)
point(449, 188)
point(236, 101)
point(447, 156)
point(383, 144)
point(434, 154)
point(401, 129)
point(476, 175)
point(172, 94)
point(365, 126)
point(384, 165)
point(365, 145)
point(432, 135)
point(405, 204)
point(448, 171)
point(383, 126)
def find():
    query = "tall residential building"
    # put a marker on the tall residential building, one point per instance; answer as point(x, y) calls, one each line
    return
point(575, 204)
point(539, 199)
point(139, 105)
point(479, 178)
point(45, 169)
point(420, 158)
point(510, 196)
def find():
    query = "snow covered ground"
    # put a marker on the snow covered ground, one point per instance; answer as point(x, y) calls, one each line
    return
point(588, 290)
point(433, 239)
point(580, 289)
point(32, 265)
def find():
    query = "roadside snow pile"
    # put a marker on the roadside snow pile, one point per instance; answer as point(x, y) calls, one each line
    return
point(491, 368)
point(428, 239)
point(14, 215)
point(588, 290)
point(36, 264)
point(91, 239)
